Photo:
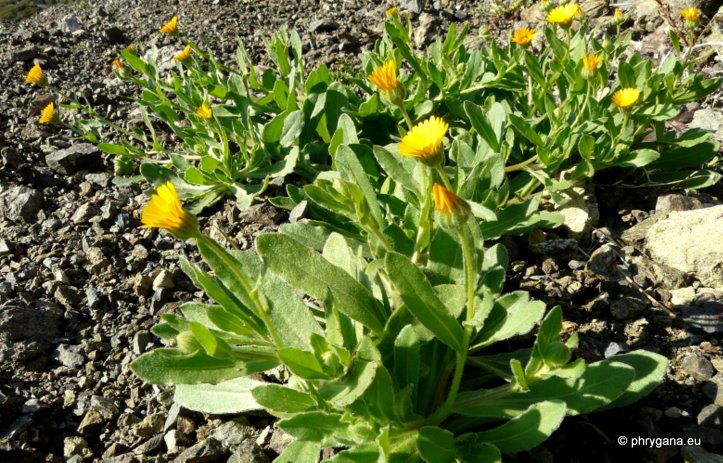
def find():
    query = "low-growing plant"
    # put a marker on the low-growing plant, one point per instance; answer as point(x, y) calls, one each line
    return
point(386, 312)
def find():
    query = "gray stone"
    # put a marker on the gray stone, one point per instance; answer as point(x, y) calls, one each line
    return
point(140, 341)
point(555, 247)
point(20, 204)
point(710, 120)
point(69, 161)
point(70, 356)
point(603, 261)
point(626, 308)
point(6, 247)
point(27, 331)
point(151, 424)
point(676, 202)
point(91, 423)
point(23, 54)
point(76, 445)
point(614, 348)
point(208, 450)
point(164, 279)
point(580, 213)
point(697, 366)
point(233, 432)
point(248, 451)
point(149, 446)
point(174, 440)
point(323, 25)
point(690, 241)
point(713, 389)
point(682, 296)
point(711, 416)
point(84, 214)
point(70, 24)
point(279, 440)
point(413, 6)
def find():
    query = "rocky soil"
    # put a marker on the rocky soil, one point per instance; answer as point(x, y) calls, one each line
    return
point(81, 284)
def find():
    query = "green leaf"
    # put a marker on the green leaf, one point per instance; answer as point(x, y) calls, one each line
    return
point(398, 169)
point(313, 426)
point(482, 125)
point(366, 453)
point(302, 363)
point(406, 357)
point(649, 373)
point(638, 158)
point(233, 396)
point(360, 376)
point(421, 300)
point(525, 129)
point(170, 366)
point(600, 384)
point(287, 313)
point(293, 126)
point(351, 170)
point(527, 430)
point(300, 452)
point(281, 399)
point(436, 445)
point(110, 148)
point(513, 314)
point(308, 271)
point(478, 452)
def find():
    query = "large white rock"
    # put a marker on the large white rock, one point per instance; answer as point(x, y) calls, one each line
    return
point(690, 241)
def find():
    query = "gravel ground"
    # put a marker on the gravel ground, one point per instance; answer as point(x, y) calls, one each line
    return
point(81, 284)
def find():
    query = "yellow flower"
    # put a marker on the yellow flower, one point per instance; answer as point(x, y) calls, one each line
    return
point(523, 36)
point(118, 64)
point(424, 141)
point(184, 54)
point(36, 76)
point(626, 98)
point(48, 115)
point(391, 12)
point(131, 48)
point(618, 17)
point(452, 211)
point(171, 27)
point(164, 210)
point(204, 111)
point(590, 64)
point(691, 15)
point(385, 76)
point(564, 14)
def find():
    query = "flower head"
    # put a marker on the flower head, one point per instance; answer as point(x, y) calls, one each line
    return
point(131, 48)
point(590, 64)
point(184, 54)
point(618, 17)
point(392, 12)
point(523, 36)
point(424, 141)
point(36, 76)
point(625, 98)
point(691, 14)
point(171, 27)
point(452, 211)
point(564, 14)
point(48, 115)
point(385, 76)
point(118, 65)
point(385, 79)
point(204, 111)
point(164, 210)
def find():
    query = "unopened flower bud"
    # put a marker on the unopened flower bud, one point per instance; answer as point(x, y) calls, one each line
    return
point(452, 212)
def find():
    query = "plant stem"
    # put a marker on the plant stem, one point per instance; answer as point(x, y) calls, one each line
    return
point(468, 254)
point(445, 180)
point(581, 113)
point(521, 165)
point(407, 119)
point(424, 230)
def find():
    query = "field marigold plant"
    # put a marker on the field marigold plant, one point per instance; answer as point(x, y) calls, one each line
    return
point(424, 141)
point(523, 36)
point(184, 54)
point(691, 15)
point(48, 115)
point(164, 210)
point(36, 76)
point(590, 64)
point(171, 27)
point(625, 98)
point(204, 111)
point(563, 15)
